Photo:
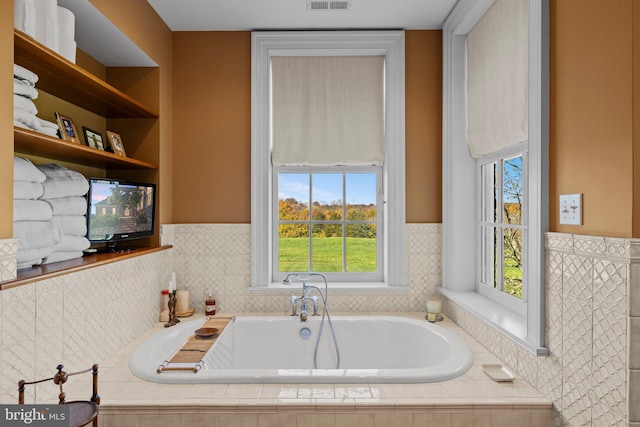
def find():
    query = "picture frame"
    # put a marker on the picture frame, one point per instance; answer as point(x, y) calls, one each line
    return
point(68, 130)
point(114, 143)
point(93, 138)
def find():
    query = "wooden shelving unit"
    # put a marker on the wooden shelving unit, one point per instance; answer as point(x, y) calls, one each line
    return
point(26, 141)
point(66, 80)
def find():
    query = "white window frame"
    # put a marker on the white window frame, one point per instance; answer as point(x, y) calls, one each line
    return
point(328, 43)
point(459, 244)
point(333, 276)
point(486, 289)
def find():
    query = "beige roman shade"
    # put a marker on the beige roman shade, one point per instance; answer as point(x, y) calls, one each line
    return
point(498, 78)
point(327, 110)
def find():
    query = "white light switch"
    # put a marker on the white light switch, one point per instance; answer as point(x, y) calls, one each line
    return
point(571, 209)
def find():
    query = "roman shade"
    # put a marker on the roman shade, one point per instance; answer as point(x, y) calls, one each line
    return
point(498, 78)
point(327, 110)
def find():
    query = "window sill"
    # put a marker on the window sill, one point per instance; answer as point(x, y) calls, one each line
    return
point(333, 286)
point(507, 322)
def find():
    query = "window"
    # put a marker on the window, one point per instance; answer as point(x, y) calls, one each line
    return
point(502, 229)
point(339, 220)
point(328, 221)
point(476, 191)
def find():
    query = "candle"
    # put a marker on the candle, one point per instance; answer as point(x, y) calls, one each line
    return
point(434, 306)
point(173, 279)
point(182, 301)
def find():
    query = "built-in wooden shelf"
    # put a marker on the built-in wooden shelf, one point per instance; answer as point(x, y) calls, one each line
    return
point(29, 142)
point(64, 79)
point(43, 272)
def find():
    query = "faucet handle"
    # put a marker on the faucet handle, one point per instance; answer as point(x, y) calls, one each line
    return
point(315, 304)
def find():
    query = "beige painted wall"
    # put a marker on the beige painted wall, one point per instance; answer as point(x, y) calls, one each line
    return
point(212, 127)
point(591, 135)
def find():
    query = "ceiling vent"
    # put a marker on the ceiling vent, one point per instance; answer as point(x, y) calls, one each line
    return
point(318, 5)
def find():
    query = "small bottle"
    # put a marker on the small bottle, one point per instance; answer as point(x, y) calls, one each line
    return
point(164, 306)
point(209, 305)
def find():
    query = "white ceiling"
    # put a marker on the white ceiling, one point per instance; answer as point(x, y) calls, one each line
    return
point(221, 15)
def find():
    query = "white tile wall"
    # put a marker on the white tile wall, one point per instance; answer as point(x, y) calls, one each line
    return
point(76, 319)
point(591, 374)
point(217, 257)
point(8, 253)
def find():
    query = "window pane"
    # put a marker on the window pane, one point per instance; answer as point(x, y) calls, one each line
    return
point(327, 247)
point(488, 191)
point(293, 196)
point(293, 247)
point(513, 262)
point(361, 248)
point(488, 255)
point(327, 196)
point(512, 190)
point(361, 196)
point(496, 258)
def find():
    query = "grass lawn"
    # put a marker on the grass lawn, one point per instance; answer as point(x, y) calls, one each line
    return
point(327, 254)
point(512, 278)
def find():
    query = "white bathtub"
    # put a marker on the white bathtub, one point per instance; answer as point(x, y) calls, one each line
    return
point(252, 349)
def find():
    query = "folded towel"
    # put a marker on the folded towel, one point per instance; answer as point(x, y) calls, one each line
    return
point(28, 119)
point(71, 225)
point(62, 182)
point(47, 124)
point(49, 132)
point(21, 87)
point(21, 125)
point(61, 256)
point(68, 205)
point(29, 257)
point(27, 190)
point(24, 16)
point(37, 234)
point(24, 74)
point(73, 244)
point(25, 104)
point(31, 210)
point(24, 170)
point(29, 264)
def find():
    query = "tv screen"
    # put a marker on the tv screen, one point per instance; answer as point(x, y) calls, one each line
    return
point(119, 210)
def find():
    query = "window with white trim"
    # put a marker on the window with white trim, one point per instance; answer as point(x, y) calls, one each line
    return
point(338, 219)
point(475, 222)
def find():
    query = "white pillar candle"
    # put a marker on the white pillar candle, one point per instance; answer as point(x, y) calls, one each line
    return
point(434, 306)
point(182, 301)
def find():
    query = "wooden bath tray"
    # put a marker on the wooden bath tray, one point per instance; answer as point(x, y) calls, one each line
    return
point(190, 357)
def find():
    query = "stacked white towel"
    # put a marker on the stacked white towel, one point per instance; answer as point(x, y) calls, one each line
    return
point(24, 110)
point(38, 236)
point(48, 23)
point(64, 192)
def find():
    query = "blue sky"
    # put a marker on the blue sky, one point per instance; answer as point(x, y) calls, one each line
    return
point(327, 187)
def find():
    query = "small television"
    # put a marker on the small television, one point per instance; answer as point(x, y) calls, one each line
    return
point(120, 210)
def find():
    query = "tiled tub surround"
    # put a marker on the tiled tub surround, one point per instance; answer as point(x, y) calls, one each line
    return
point(592, 320)
point(8, 254)
point(217, 257)
point(470, 400)
point(77, 318)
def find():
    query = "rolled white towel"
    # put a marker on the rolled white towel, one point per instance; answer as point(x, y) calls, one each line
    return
point(23, 190)
point(62, 182)
point(24, 16)
point(58, 256)
point(48, 128)
point(20, 87)
point(71, 225)
point(25, 104)
point(49, 132)
point(31, 210)
point(68, 48)
point(29, 264)
point(28, 119)
point(24, 170)
point(73, 244)
point(37, 234)
point(47, 124)
point(25, 75)
point(21, 125)
point(75, 205)
point(29, 257)
point(47, 23)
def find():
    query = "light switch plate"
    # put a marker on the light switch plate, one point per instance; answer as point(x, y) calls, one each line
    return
point(571, 209)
